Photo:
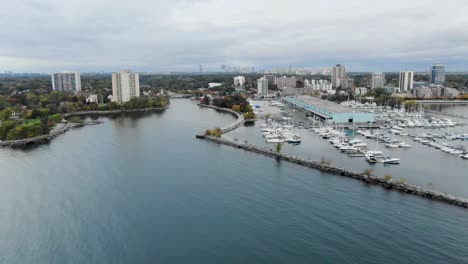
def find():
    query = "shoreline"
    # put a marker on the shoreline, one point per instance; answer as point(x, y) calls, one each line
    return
point(67, 126)
point(333, 170)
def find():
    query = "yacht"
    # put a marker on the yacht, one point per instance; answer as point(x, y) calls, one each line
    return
point(404, 145)
point(392, 145)
point(464, 156)
point(388, 160)
point(275, 140)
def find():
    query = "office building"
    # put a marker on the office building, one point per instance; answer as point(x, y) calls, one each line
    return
point(378, 80)
point(338, 72)
point(437, 74)
point(239, 81)
point(406, 81)
point(125, 85)
point(70, 81)
point(262, 87)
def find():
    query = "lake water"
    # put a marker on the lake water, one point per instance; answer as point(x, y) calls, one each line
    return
point(141, 189)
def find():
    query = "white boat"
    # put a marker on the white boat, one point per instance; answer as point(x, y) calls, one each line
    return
point(275, 140)
point(465, 156)
point(456, 152)
point(360, 145)
point(293, 139)
point(404, 145)
point(388, 160)
point(373, 152)
point(391, 145)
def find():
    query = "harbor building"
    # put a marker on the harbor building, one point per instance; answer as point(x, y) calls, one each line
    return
point(125, 85)
point(328, 111)
point(262, 87)
point(406, 81)
point(378, 80)
point(68, 81)
point(437, 74)
point(338, 72)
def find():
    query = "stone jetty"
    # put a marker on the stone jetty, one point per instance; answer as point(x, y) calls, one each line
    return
point(62, 128)
point(333, 170)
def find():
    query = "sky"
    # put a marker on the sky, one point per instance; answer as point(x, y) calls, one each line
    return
point(178, 35)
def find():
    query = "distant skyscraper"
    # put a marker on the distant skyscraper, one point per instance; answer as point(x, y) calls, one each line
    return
point(406, 81)
point(271, 80)
point(239, 81)
point(437, 74)
point(378, 80)
point(125, 85)
point(70, 81)
point(262, 87)
point(338, 72)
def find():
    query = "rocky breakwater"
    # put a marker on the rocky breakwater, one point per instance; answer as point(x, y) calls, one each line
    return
point(239, 121)
point(58, 130)
point(388, 184)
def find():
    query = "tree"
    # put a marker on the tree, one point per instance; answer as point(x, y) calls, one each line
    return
point(402, 181)
point(279, 146)
point(368, 172)
point(388, 177)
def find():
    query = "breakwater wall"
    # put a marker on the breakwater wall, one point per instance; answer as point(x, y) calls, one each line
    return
point(370, 179)
point(239, 122)
point(108, 112)
point(64, 127)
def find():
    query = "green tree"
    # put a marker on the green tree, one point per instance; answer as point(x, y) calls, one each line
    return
point(279, 146)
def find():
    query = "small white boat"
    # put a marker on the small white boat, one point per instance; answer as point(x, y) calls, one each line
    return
point(275, 140)
point(404, 145)
point(389, 160)
point(465, 156)
point(391, 145)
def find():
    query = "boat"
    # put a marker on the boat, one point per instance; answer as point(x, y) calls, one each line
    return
point(275, 140)
point(392, 145)
point(389, 160)
point(404, 145)
point(464, 156)
point(371, 158)
point(294, 139)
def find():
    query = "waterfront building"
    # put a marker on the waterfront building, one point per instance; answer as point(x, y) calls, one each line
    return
point(437, 74)
point(378, 80)
point(328, 111)
point(262, 87)
point(338, 72)
point(271, 80)
point(69, 81)
point(346, 82)
point(125, 85)
point(422, 92)
point(406, 81)
point(360, 91)
point(239, 81)
point(286, 82)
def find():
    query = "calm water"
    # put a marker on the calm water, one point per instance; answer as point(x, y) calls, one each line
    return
point(142, 189)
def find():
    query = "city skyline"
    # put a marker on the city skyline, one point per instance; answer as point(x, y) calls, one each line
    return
point(172, 36)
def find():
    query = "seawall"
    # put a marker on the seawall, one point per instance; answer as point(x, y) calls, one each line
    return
point(108, 112)
point(22, 142)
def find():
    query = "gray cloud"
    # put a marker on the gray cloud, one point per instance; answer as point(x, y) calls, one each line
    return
point(162, 35)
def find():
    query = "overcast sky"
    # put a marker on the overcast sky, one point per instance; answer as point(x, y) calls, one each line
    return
point(178, 35)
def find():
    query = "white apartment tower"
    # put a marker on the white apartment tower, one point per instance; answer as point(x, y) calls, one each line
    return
point(378, 80)
point(239, 81)
point(406, 81)
point(69, 81)
point(262, 87)
point(338, 73)
point(125, 85)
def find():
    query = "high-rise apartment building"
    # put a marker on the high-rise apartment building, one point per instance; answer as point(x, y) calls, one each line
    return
point(262, 87)
point(125, 85)
point(378, 80)
point(437, 73)
point(406, 81)
point(239, 81)
point(286, 82)
point(338, 72)
point(346, 82)
point(70, 81)
point(271, 80)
